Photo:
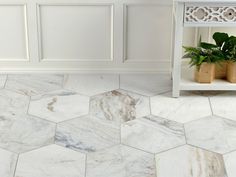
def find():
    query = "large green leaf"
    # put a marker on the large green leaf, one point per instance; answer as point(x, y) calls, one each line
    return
point(220, 38)
point(206, 45)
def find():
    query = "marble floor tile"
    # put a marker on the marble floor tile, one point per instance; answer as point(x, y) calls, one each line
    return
point(12, 103)
point(224, 105)
point(59, 105)
point(34, 84)
point(212, 133)
point(146, 84)
point(87, 134)
point(21, 133)
point(186, 108)
point(187, 161)
point(152, 134)
point(119, 106)
point(3, 79)
point(120, 161)
point(51, 161)
point(7, 163)
point(230, 164)
point(91, 84)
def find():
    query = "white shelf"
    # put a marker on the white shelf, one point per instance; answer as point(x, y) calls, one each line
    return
point(188, 83)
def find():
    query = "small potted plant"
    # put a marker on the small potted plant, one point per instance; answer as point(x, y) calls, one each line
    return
point(204, 59)
point(230, 47)
point(220, 40)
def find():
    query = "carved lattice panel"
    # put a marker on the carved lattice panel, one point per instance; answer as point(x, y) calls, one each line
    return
point(209, 14)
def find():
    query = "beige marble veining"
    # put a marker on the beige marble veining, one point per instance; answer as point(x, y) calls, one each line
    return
point(187, 161)
point(152, 134)
point(34, 84)
point(119, 106)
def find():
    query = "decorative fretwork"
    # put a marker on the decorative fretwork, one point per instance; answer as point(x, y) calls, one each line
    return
point(208, 14)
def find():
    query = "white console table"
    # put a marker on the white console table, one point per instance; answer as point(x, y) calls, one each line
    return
point(198, 13)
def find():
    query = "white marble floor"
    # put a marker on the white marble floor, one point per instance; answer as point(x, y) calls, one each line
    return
point(101, 125)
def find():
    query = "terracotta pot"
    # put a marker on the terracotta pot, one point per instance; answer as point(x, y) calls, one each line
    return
point(206, 73)
point(231, 72)
point(221, 70)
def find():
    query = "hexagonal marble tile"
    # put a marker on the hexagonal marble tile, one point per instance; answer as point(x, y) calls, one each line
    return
point(91, 84)
point(186, 108)
point(87, 134)
point(21, 133)
point(190, 161)
point(146, 84)
point(59, 105)
point(230, 164)
point(224, 105)
point(12, 103)
point(212, 133)
point(120, 161)
point(8, 163)
point(119, 106)
point(3, 79)
point(51, 161)
point(34, 84)
point(152, 134)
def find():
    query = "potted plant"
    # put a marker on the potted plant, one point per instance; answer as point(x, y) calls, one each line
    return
point(221, 41)
point(204, 58)
point(230, 47)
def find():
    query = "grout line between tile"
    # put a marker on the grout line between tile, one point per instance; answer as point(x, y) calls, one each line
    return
point(119, 81)
point(86, 160)
point(185, 136)
point(209, 99)
point(17, 160)
point(4, 86)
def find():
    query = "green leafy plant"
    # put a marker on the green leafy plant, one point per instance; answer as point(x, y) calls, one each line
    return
point(226, 43)
point(230, 49)
point(205, 52)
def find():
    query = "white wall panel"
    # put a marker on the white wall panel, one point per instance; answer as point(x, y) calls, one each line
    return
point(148, 32)
point(85, 35)
point(13, 33)
point(76, 32)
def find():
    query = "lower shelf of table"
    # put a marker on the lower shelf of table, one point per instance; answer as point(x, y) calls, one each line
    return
point(187, 83)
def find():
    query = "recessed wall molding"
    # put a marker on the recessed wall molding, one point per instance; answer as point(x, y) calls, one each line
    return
point(70, 10)
point(147, 25)
point(86, 35)
point(14, 45)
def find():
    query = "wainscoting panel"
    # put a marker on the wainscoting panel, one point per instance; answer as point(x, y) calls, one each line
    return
point(85, 35)
point(147, 35)
point(13, 33)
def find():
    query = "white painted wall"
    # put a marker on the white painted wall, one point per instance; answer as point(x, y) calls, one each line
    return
point(86, 35)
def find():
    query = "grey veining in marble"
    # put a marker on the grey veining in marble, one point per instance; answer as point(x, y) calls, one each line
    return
point(12, 103)
point(224, 105)
point(91, 84)
point(87, 134)
point(189, 161)
point(146, 84)
point(230, 164)
point(152, 134)
point(34, 84)
point(120, 161)
point(119, 106)
point(186, 108)
point(3, 79)
point(22, 133)
point(59, 105)
point(212, 133)
point(51, 161)
point(7, 163)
